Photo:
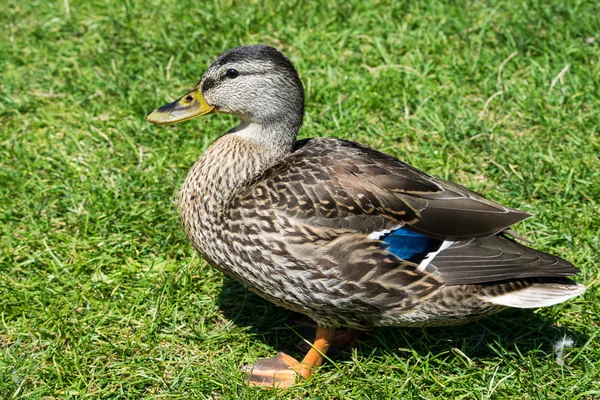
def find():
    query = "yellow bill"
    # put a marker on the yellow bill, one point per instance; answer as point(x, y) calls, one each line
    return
point(188, 106)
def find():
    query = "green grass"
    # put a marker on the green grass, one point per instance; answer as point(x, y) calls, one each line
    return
point(101, 295)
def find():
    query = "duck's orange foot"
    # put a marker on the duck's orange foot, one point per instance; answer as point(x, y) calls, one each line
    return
point(278, 371)
point(282, 370)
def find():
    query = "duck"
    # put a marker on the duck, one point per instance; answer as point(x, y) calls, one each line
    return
point(338, 231)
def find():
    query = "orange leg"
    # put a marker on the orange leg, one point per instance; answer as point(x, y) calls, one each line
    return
point(342, 338)
point(281, 370)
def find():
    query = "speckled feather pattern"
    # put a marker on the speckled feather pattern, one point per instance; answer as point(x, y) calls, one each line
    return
point(300, 223)
point(310, 252)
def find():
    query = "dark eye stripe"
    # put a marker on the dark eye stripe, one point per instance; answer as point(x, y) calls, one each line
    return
point(208, 84)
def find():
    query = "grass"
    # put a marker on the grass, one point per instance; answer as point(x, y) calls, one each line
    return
point(101, 295)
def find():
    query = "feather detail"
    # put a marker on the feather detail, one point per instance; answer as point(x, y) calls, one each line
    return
point(381, 233)
point(423, 265)
point(496, 258)
point(538, 295)
point(412, 246)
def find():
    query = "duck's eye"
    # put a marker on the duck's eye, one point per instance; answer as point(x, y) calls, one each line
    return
point(232, 73)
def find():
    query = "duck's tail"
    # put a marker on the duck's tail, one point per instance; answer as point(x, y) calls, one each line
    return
point(538, 293)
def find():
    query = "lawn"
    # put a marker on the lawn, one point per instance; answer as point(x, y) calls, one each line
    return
point(102, 296)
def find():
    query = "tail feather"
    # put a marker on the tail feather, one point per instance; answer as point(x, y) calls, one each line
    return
point(538, 295)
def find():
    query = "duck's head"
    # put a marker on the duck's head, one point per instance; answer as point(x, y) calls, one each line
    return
point(256, 83)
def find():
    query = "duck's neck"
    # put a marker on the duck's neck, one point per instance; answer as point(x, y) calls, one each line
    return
point(276, 138)
point(231, 161)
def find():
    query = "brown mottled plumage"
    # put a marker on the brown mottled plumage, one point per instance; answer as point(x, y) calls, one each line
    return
point(338, 231)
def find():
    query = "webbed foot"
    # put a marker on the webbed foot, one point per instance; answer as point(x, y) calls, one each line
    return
point(283, 370)
point(278, 371)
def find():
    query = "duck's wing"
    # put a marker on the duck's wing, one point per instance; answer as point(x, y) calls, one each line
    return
point(342, 184)
point(434, 228)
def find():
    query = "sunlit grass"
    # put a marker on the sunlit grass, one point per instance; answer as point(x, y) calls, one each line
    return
point(101, 295)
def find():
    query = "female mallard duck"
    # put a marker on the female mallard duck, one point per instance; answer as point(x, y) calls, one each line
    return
point(338, 231)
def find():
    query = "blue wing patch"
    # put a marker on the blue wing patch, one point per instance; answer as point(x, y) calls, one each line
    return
point(409, 245)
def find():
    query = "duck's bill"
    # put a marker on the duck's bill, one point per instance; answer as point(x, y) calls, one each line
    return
point(188, 106)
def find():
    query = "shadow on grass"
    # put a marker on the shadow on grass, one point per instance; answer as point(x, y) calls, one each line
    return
point(287, 331)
